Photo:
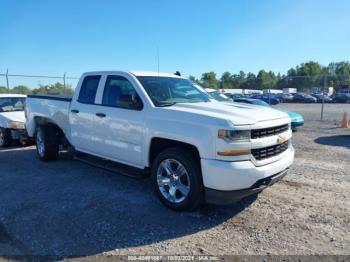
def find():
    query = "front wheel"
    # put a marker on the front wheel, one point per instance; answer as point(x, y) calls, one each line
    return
point(177, 179)
point(5, 138)
point(47, 143)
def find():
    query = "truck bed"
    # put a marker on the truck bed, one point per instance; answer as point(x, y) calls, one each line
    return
point(52, 107)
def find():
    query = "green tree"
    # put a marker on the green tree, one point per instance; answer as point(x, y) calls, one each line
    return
point(340, 74)
point(250, 82)
point(238, 79)
point(305, 76)
point(209, 79)
point(21, 90)
point(3, 90)
point(265, 80)
point(282, 81)
point(54, 89)
point(193, 78)
point(226, 80)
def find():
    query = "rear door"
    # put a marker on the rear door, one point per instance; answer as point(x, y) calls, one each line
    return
point(82, 118)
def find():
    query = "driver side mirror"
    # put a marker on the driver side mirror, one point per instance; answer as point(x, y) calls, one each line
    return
point(130, 102)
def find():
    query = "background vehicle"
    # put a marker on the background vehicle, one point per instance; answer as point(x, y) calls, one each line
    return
point(297, 119)
point(267, 98)
point(215, 94)
point(285, 97)
point(341, 98)
point(195, 149)
point(303, 98)
point(11, 119)
point(233, 96)
point(322, 97)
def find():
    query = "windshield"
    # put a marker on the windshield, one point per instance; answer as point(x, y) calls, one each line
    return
point(10, 104)
point(166, 91)
point(219, 97)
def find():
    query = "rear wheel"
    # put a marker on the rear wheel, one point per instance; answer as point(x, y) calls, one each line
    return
point(5, 137)
point(47, 143)
point(177, 179)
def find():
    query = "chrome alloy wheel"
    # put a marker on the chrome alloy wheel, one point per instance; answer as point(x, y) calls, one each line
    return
point(40, 143)
point(173, 180)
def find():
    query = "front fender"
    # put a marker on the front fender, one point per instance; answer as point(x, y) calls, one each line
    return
point(200, 136)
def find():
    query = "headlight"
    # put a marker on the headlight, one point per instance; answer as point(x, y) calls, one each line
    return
point(234, 135)
point(15, 125)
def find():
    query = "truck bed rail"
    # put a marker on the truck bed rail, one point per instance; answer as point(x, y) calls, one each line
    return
point(52, 97)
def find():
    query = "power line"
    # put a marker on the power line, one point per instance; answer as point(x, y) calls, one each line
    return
point(40, 76)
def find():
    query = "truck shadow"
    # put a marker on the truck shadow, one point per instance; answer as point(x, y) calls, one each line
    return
point(69, 209)
point(337, 140)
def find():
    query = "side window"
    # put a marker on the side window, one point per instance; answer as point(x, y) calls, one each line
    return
point(88, 89)
point(115, 87)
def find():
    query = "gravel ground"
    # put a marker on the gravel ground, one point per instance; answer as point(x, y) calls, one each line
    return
point(69, 209)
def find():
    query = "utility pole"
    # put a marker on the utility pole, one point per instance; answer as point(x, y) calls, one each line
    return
point(7, 80)
point(64, 83)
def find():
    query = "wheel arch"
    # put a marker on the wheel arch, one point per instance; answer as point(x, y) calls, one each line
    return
point(159, 144)
point(43, 121)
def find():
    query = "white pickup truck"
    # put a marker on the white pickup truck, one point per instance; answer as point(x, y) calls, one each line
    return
point(195, 149)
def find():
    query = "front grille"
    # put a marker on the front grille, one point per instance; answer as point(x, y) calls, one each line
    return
point(271, 151)
point(271, 131)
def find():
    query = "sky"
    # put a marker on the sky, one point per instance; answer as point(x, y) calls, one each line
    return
point(43, 37)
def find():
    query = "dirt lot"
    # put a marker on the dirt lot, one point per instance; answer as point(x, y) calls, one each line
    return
point(69, 209)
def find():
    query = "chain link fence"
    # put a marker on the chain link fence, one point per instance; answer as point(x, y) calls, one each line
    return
point(37, 84)
point(320, 84)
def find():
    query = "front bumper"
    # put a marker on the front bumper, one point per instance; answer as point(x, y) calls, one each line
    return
point(229, 176)
point(213, 196)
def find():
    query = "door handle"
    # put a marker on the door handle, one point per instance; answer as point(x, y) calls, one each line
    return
point(75, 111)
point(100, 114)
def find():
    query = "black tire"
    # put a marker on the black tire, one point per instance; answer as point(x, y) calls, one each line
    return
point(5, 137)
point(190, 162)
point(47, 146)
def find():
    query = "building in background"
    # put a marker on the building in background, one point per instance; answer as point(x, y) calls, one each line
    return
point(329, 90)
point(241, 91)
point(289, 90)
point(272, 91)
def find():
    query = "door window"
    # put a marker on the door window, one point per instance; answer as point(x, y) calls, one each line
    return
point(115, 87)
point(88, 89)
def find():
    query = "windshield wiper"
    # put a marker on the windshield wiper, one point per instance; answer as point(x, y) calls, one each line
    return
point(166, 104)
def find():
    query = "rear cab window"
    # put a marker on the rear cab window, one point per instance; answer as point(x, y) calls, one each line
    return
point(88, 89)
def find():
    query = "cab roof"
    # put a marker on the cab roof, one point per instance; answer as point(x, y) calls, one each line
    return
point(11, 95)
point(135, 73)
point(150, 73)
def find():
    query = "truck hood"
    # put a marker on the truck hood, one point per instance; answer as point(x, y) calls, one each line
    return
point(237, 113)
point(13, 116)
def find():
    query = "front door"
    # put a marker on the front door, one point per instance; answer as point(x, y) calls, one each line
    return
point(120, 129)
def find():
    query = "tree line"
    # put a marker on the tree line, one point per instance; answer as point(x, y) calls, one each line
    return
point(302, 77)
point(53, 89)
